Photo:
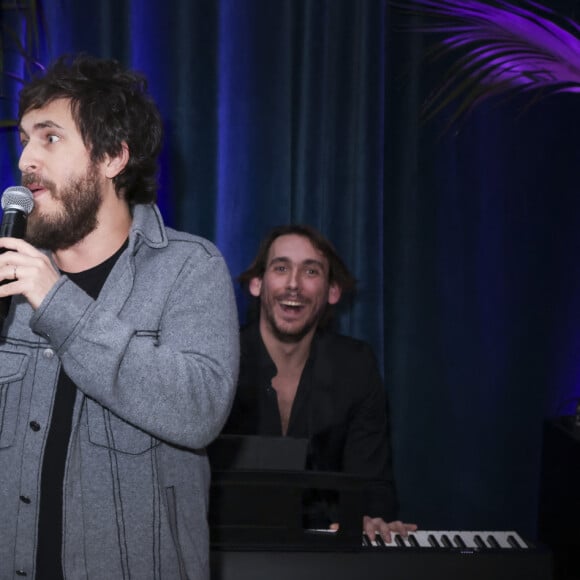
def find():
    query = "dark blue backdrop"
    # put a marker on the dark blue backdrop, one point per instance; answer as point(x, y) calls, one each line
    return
point(464, 242)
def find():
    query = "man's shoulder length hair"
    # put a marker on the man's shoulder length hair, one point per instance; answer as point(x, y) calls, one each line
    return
point(338, 273)
point(110, 105)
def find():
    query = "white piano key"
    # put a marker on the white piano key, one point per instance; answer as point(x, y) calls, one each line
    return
point(455, 539)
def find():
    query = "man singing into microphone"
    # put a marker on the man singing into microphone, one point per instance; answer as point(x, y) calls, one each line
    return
point(118, 357)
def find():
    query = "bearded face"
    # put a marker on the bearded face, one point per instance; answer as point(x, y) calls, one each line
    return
point(290, 317)
point(71, 217)
point(294, 291)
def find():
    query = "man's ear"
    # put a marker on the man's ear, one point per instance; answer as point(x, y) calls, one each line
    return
point(255, 287)
point(334, 293)
point(115, 165)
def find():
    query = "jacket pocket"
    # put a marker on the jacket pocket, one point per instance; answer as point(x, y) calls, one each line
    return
point(108, 430)
point(12, 370)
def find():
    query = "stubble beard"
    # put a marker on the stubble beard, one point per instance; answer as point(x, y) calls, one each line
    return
point(80, 201)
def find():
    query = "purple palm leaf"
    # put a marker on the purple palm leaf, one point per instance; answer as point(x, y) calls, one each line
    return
point(503, 47)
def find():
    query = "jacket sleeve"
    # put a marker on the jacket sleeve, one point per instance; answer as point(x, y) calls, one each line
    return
point(367, 450)
point(176, 383)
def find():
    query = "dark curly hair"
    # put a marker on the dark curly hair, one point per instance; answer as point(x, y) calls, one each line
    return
point(110, 105)
point(338, 273)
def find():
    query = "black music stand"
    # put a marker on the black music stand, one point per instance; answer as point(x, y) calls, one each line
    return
point(261, 508)
point(233, 452)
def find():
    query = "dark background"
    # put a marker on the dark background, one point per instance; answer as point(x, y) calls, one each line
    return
point(464, 240)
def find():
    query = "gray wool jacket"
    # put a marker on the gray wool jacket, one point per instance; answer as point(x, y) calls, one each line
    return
point(155, 360)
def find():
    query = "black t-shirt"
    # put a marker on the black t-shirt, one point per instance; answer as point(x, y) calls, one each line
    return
point(49, 547)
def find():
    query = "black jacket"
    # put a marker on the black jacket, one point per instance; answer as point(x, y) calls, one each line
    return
point(340, 407)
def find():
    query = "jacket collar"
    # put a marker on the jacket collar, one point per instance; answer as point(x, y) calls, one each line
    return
point(147, 227)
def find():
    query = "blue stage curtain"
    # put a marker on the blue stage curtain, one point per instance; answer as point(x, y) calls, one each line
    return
point(464, 241)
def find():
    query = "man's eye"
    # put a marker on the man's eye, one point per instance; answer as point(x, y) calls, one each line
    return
point(279, 268)
point(312, 272)
point(53, 138)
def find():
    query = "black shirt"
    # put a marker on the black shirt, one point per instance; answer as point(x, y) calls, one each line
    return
point(340, 407)
point(49, 547)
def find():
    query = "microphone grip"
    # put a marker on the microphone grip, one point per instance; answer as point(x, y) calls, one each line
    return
point(4, 308)
point(4, 301)
point(13, 226)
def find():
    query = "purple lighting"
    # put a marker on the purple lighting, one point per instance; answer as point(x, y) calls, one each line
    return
point(505, 47)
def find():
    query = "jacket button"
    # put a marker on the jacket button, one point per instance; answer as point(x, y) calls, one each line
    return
point(48, 353)
point(34, 426)
point(24, 499)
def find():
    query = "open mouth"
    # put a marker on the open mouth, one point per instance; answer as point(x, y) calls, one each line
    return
point(291, 303)
point(291, 306)
point(36, 188)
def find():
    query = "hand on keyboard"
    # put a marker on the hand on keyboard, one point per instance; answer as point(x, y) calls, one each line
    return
point(374, 526)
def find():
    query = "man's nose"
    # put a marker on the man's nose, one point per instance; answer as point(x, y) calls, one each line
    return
point(28, 162)
point(293, 279)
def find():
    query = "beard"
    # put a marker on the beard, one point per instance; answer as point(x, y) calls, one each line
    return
point(80, 200)
point(290, 335)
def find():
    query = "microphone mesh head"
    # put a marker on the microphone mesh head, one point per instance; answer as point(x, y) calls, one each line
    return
point(19, 198)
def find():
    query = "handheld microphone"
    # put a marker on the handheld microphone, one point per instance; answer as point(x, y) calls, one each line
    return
point(17, 202)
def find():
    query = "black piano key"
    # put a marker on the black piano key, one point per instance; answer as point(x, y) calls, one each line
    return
point(449, 541)
point(513, 542)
